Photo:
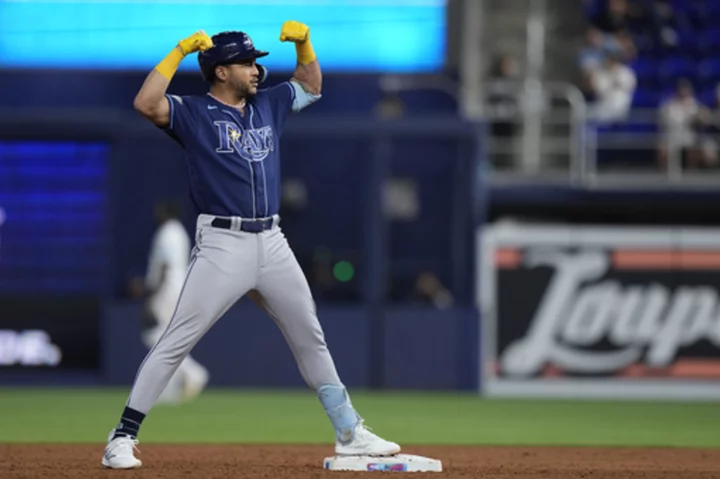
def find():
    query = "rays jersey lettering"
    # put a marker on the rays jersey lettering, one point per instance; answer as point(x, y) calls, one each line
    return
point(253, 144)
point(233, 156)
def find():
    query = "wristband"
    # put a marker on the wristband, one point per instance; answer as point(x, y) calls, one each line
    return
point(305, 52)
point(169, 65)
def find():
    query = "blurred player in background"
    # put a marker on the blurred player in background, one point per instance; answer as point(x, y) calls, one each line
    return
point(167, 266)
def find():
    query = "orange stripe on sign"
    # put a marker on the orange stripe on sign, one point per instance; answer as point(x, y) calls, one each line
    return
point(699, 260)
point(552, 371)
point(507, 258)
point(696, 368)
point(634, 371)
point(685, 368)
point(666, 259)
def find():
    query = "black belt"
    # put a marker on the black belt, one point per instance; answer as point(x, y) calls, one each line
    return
point(249, 226)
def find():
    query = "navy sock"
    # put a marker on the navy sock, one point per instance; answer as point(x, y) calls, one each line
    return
point(129, 423)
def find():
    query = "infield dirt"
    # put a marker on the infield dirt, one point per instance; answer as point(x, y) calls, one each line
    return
point(300, 462)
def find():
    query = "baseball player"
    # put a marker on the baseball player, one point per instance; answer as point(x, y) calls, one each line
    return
point(231, 138)
point(160, 288)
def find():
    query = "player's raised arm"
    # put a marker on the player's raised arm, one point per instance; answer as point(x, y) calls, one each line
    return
point(150, 101)
point(307, 71)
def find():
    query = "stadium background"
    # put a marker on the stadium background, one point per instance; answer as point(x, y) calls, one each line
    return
point(455, 141)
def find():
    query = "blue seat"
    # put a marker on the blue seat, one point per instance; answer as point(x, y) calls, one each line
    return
point(711, 9)
point(645, 99)
point(648, 83)
point(644, 67)
point(593, 7)
point(666, 93)
point(708, 96)
point(709, 70)
point(605, 128)
point(711, 37)
point(638, 128)
point(690, 42)
point(674, 68)
point(685, 6)
point(669, 85)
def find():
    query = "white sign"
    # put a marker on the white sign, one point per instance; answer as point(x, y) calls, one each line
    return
point(28, 348)
point(600, 312)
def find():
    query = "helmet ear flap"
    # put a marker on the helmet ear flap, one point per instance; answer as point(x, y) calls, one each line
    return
point(207, 68)
point(263, 72)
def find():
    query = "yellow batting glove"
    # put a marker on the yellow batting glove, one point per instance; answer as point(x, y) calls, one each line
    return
point(293, 31)
point(198, 41)
point(299, 33)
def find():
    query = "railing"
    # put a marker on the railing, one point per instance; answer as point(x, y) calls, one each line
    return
point(573, 149)
point(647, 153)
point(516, 145)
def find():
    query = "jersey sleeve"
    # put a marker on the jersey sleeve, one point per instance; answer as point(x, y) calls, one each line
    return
point(280, 97)
point(182, 117)
point(302, 98)
point(287, 97)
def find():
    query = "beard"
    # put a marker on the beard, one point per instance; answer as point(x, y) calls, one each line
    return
point(244, 90)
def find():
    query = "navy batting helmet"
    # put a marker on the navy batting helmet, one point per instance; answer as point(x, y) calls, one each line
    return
point(229, 47)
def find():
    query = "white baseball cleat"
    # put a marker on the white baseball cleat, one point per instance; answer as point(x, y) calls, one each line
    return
point(119, 453)
point(366, 443)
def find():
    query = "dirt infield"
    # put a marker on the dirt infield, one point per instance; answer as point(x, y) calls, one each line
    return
point(211, 462)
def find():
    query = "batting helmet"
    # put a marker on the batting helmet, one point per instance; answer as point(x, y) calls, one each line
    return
point(229, 47)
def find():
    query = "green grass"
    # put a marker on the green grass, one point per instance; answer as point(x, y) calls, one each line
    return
point(223, 416)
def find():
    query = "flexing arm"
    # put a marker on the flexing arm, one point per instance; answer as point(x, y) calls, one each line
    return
point(309, 76)
point(307, 71)
point(150, 101)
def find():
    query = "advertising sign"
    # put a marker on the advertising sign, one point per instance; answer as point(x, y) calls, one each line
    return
point(49, 333)
point(53, 217)
point(408, 35)
point(612, 312)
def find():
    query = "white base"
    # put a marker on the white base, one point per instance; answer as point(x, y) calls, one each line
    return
point(398, 463)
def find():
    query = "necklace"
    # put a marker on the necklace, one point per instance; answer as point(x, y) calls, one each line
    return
point(240, 108)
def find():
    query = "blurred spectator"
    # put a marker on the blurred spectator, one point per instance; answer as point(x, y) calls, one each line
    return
point(504, 67)
point(613, 16)
point(592, 54)
point(681, 118)
point(614, 23)
point(503, 107)
point(430, 290)
point(710, 142)
point(626, 43)
point(612, 87)
point(664, 23)
point(390, 106)
point(598, 45)
point(658, 23)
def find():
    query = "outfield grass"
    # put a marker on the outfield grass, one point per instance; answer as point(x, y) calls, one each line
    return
point(221, 416)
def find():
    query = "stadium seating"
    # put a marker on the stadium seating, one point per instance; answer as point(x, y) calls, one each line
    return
point(694, 55)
